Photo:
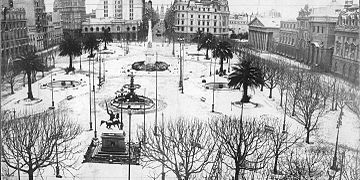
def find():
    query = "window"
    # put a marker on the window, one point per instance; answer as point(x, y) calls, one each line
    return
point(203, 16)
point(322, 29)
point(199, 23)
point(214, 30)
point(208, 16)
point(215, 17)
point(191, 28)
point(199, 16)
point(313, 30)
point(318, 29)
point(208, 9)
point(192, 16)
point(203, 23)
point(208, 23)
point(86, 29)
point(182, 15)
point(182, 7)
point(207, 29)
point(215, 23)
point(182, 28)
point(191, 22)
point(182, 22)
point(97, 28)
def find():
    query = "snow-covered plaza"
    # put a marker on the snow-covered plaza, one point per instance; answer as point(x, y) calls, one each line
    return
point(195, 101)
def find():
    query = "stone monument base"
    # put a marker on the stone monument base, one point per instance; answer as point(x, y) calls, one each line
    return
point(113, 142)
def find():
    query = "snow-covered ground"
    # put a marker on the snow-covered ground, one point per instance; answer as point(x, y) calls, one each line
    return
point(176, 104)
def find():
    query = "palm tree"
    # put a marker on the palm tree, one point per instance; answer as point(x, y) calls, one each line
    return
point(91, 44)
point(198, 36)
point(223, 51)
point(71, 47)
point(30, 63)
point(246, 74)
point(107, 37)
point(207, 42)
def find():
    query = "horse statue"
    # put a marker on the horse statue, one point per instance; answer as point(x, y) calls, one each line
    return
point(113, 120)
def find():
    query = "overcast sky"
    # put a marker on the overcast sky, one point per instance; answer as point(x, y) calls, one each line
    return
point(288, 8)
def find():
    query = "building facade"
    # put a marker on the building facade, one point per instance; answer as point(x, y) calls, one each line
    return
point(72, 14)
point(208, 16)
point(303, 38)
point(322, 37)
point(238, 23)
point(121, 17)
point(346, 56)
point(263, 32)
point(14, 34)
point(288, 39)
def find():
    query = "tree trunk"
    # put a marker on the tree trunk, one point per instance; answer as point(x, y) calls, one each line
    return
point(307, 135)
point(70, 63)
point(262, 88)
point(281, 96)
point(245, 98)
point(221, 67)
point(105, 48)
point(293, 111)
point(270, 95)
point(12, 88)
point(325, 98)
point(31, 175)
point(275, 163)
point(173, 51)
point(207, 53)
point(30, 95)
point(237, 173)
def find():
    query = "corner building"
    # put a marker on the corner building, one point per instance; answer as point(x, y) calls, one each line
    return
point(208, 16)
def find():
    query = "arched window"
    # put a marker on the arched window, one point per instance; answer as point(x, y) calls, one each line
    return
point(86, 29)
point(118, 28)
point(91, 29)
point(102, 29)
point(97, 28)
point(128, 28)
point(109, 29)
point(347, 48)
point(133, 28)
point(338, 48)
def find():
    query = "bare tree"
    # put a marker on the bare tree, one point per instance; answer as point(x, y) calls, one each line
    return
point(309, 107)
point(272, 76)
point(295, 89)
point(307, 162)
point(245, 143)
point(35, 141)
point(183, 146)
point(284, 80)
point(326, 89)
point(281, 141)
point(351, 166)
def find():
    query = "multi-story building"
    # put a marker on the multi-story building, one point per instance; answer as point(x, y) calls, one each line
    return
point(72, 14)
point(346, 56)
point(263, 32)
point(322, 41)
point(121, 17)
point(303, 38)
point(14, 34)
point(36, 22)
point(208, 16)
point(238, 23)
point(288, 40)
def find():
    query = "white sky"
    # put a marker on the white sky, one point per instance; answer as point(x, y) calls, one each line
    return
point(288, 8)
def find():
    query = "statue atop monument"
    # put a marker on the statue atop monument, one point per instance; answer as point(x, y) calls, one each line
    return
point(149, 39)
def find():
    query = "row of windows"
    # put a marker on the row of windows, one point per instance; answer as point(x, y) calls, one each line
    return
point(215, 30)
point(318, 29)
point(199, 23)
point(217, 8)
point(199, 16)
point(238, 22)
point(287, 40)
point(348, 21)
point(14, 16)
point(13, 25)
point(118, 28)
point(346, 49)
point(15, 34)
point(288, 25)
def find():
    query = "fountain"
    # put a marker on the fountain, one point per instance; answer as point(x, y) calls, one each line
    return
point(150, 63)
point(127, 97)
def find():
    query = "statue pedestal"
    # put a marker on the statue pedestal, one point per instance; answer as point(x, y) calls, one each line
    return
point(150, 56)
point(113, 142)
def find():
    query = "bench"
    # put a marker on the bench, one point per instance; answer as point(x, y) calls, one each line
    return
point(203, 99)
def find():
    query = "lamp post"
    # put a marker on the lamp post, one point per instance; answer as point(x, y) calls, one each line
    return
point(284, 124)
point(162, 133)
point(213, 93)
point(95, 132)
point(144, 118)
point(156, 100)
point(333, 169)
point(52, 107)
point(90, 94)
point(181, 82)
point(129, 109)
